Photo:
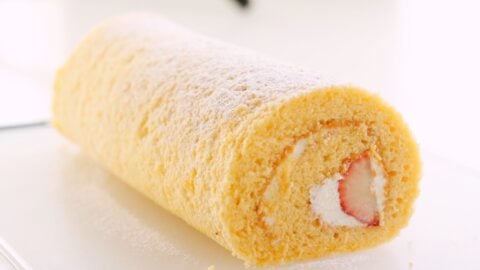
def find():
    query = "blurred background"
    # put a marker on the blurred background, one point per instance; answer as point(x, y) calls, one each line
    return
point(422, 56)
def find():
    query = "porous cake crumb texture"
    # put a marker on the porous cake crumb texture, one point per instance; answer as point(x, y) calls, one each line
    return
point(229, 141)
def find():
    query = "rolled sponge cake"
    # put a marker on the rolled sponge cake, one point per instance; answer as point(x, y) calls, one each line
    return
point(271, 161)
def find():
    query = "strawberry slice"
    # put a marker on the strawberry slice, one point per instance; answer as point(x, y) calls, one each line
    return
point(357, 198)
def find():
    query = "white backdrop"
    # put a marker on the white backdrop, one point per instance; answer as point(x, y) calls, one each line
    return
point(421, 55)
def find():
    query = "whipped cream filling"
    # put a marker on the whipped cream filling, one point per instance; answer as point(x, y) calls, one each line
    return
point(378, 186)
point(299, 148)
point(325, 199)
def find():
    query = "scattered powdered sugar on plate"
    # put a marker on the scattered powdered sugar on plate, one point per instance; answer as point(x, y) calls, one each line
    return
point(118, 211)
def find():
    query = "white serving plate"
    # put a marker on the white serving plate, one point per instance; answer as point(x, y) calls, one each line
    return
point(60, 210)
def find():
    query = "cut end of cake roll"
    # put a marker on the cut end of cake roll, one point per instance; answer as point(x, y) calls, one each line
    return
point(264, 158)
point(330, 171)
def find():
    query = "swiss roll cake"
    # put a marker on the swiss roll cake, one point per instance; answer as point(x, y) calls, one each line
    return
point(273, 162)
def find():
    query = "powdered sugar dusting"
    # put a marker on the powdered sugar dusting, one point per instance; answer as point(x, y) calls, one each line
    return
point(116, 211)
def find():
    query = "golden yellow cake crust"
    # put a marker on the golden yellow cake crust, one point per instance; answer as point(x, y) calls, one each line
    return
point(340, 123)
point(204, 128)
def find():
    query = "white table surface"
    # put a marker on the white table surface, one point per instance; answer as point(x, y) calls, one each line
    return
point(420, 55)
point(60, 210)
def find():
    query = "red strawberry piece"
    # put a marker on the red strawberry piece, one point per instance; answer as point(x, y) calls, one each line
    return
point(357, 198)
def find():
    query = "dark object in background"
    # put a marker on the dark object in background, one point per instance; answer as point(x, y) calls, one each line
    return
point(24, 125)
point(242, 3)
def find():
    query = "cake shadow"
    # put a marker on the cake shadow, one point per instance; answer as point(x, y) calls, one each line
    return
point(111, 211)
point(106, 207)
